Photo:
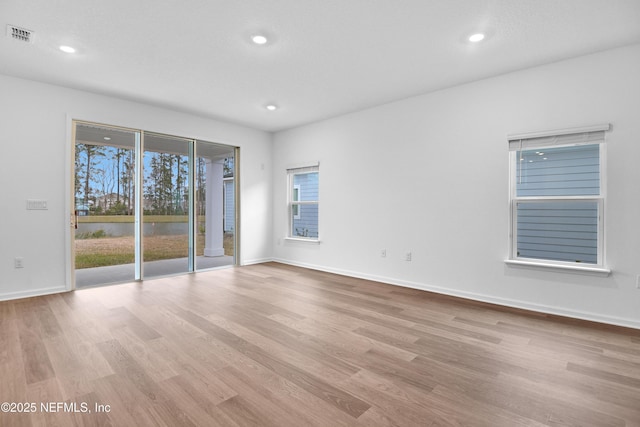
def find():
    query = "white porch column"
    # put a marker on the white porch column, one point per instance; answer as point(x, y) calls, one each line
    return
point(213, 240)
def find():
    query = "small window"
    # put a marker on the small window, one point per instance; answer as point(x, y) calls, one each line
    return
point(303, 202)
point(557, 198)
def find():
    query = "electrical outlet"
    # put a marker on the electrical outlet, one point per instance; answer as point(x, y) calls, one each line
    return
point(407, 256)
point(18, 262)
point(383, 253)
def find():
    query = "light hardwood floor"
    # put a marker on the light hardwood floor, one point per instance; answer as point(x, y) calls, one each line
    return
point(275, 345)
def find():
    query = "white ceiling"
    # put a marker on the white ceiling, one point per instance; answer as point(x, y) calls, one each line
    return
point(324, 57)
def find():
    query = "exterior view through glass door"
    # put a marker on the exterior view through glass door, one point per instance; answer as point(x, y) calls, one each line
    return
point(104, 204)
point(168, 240)
point(149, 205)
point(215, 205)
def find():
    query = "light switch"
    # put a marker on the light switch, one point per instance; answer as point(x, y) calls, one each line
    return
point(36, 204)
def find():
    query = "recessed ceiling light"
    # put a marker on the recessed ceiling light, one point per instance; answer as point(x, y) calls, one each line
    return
point(107, 138)
point(476, 38)
point(67, 49)
point(259, 39)
point(271, 107)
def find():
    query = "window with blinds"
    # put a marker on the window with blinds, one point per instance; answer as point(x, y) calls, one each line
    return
point(557, 201)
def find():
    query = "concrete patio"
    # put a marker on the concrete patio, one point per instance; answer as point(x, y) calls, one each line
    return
point(97, 276)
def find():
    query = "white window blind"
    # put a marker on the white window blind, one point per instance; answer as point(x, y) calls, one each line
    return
point(303, 169)
point(522, 142)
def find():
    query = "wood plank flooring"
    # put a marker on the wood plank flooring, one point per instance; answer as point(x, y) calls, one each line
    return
point(275, 345)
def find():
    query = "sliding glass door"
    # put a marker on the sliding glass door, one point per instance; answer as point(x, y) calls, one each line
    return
point(168, 241)
point(148, 205)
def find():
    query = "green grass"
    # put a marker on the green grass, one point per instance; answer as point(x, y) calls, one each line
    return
point(100, 260)
point(107, 251)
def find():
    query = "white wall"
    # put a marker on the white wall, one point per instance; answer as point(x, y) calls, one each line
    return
point(35, 138)
point(430, 174)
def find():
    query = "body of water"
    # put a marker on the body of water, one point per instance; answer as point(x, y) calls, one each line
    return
point(117, 229)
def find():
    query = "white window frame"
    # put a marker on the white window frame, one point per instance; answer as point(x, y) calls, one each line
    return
point(291, 172)
point(514, 258)
point(296, 199)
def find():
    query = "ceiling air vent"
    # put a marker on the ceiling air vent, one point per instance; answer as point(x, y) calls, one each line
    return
point(20, 34)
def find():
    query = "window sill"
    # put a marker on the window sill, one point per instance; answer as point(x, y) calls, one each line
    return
point(301, 239)
point(577, 268)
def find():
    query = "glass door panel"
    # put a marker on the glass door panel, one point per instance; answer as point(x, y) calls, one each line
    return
point(104, 204)
point(215, 205)
point(167, 238)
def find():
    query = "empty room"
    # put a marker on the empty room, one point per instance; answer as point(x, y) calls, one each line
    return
point(320, 213)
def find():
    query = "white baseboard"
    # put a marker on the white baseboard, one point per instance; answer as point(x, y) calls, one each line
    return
point(560, 311)
point(257, 261)
point(32, 293)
